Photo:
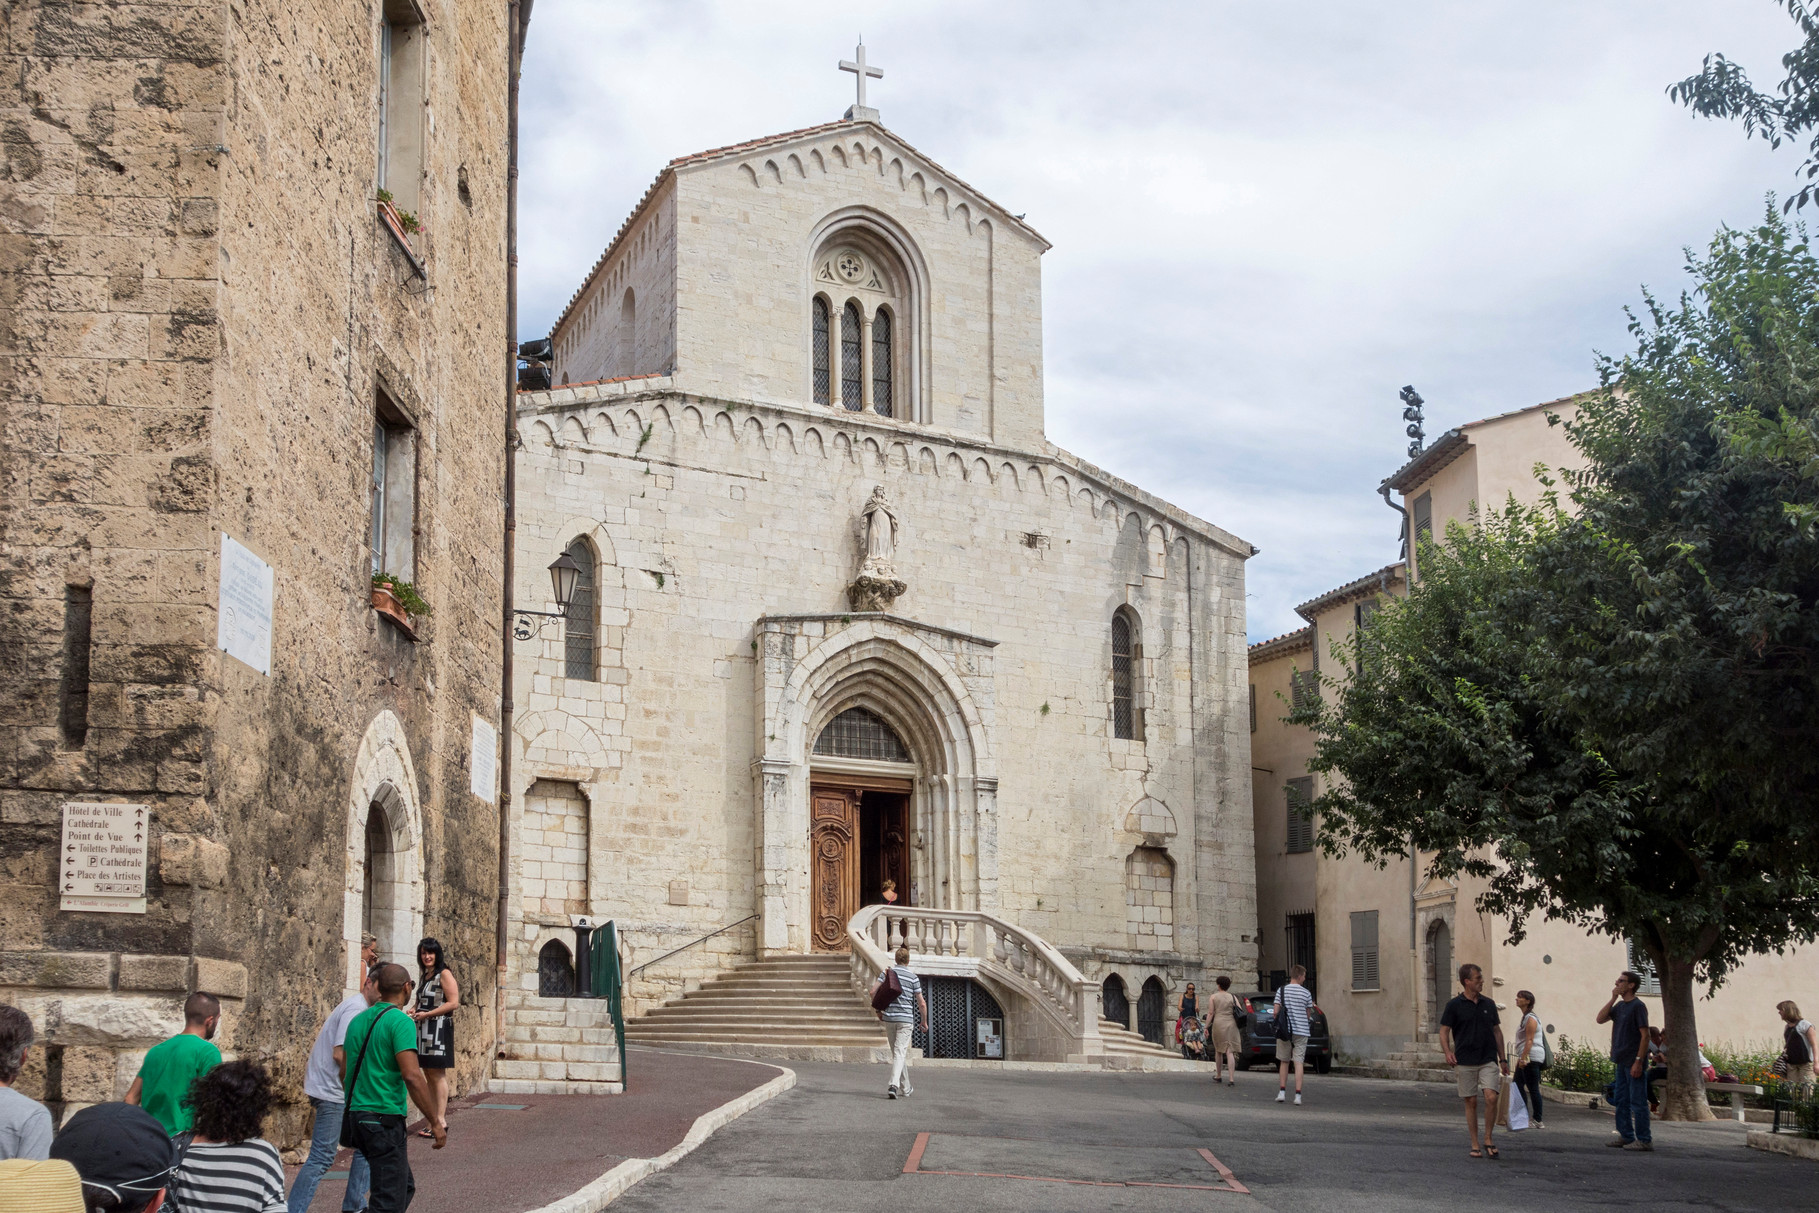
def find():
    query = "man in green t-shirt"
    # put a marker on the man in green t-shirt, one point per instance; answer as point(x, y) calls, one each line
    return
point(379, 1067)
point(169, 1068)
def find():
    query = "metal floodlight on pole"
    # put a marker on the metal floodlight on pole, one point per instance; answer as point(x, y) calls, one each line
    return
point(564, 575)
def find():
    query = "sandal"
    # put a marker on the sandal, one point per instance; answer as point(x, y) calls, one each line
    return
point(427, 1133)
point(1477, 1153)
point(1491, 1152)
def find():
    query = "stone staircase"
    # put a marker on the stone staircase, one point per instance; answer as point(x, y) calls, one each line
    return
point(1126, 1050)
point(789, 1007)
point(557, 1046)
point(1416, 1061)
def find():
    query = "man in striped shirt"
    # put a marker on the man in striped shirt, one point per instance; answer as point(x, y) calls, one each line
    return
point(900, 1021)
point(1293, 1000)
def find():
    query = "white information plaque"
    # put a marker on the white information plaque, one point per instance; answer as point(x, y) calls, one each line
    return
point(483, 764)
point(244, 617)
point(103, 857)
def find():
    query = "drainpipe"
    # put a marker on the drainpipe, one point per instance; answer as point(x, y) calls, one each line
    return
point(517, 20)
point(1414, 939)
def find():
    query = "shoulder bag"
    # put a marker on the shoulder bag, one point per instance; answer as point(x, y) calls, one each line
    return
point(1282, 1029)
point(1547, 1050)
point(347, 1093)
point(890, 988)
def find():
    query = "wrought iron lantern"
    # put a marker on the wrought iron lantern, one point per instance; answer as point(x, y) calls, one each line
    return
point(564, 575)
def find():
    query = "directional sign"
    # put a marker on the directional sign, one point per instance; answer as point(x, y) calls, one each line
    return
point(104, 857)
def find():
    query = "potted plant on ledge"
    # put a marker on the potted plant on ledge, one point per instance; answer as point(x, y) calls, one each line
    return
point(404, 224)
point(398, 600)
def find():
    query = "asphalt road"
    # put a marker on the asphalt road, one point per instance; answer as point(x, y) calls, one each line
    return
point(1009, 1140)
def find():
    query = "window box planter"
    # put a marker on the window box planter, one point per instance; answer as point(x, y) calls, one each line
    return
point(401, 232)
point(388, 605)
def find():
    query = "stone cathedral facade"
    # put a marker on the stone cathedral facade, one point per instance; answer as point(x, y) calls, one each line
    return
point(847, 614)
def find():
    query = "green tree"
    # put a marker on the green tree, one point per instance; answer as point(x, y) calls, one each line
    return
point(1610, 712)
point(1722, 89)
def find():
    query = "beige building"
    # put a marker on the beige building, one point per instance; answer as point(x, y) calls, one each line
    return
point(851, 617)
point(220, 354)
point(1389, 939)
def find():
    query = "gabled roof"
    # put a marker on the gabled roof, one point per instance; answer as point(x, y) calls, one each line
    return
point(1450, 445)
point(1364, 587)
point(1277, 646)
point(755, 145)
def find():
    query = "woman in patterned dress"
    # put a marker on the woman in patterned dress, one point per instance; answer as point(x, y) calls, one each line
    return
point(438, 994)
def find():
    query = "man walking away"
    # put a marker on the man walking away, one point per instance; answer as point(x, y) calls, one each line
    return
point(1472, 1037)
point(322, 1083)
point(169, 1068)
point(900, 1021)
point(1628, 1017)
point(25, 1124)
point(1294, 1001)
point(381, 1051)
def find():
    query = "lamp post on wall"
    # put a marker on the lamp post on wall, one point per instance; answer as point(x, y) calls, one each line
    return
point(564, 575)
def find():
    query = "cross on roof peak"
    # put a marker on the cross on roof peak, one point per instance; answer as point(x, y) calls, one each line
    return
point(859, 111)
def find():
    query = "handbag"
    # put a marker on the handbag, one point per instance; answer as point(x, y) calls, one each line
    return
point(1547, 1051)
point(347, 1111)
point(1282, 1032)
point(890, 988)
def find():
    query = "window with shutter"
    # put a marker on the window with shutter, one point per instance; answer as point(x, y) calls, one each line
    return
point(1424, 517)
point(1366, 971)
point(1300, 815)
point(1304, 688)
point(1643, 967)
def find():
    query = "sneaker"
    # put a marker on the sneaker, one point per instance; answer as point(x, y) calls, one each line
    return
point(890, 1092)
point(1297, 1099)
point(907, 1091)
point(1642, 1145)
point(1616, 1143)
point(1281, 1095)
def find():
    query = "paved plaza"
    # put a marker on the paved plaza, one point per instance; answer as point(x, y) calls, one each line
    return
point(979, 1139)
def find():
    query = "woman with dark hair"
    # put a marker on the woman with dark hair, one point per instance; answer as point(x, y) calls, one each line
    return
point(1528, 1056)
point(438, 994)
point(226, 1167)
point(1222, 1027)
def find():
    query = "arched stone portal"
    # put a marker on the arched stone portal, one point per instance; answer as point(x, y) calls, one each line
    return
point(383, 892)
point(932, 688)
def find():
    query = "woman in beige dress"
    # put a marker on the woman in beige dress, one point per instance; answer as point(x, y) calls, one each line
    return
point(1222, 1019)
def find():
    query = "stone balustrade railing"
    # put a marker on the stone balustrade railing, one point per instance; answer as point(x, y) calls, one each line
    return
point(1065, 1004)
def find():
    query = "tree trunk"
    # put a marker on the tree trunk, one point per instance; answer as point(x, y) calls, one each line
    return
point(1684, 1098)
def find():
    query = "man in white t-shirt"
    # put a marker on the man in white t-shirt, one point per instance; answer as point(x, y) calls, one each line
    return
point(25, 1124)
point(900, 1021)
point(322, 1083)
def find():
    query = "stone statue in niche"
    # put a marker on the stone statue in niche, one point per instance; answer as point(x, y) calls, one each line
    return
point(878, 584)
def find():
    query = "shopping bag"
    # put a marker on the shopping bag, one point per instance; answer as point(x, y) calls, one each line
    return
point(1518, 1112)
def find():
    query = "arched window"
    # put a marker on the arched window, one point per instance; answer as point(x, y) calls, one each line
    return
point(824, 369)
point(881, 363)
point(852, 378)
point(555, 971)
point(857, 733)
point(1127, 652)
point(578, 621)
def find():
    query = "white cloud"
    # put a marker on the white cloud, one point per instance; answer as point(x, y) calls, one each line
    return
point(1266, 218)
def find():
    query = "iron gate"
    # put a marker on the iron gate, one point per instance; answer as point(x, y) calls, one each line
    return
point(1150, 1011)
point(955, 1007)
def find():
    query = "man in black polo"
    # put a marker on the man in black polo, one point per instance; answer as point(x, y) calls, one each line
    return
point(1473, 1040)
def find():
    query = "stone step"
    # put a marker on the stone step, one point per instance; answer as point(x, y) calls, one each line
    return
point(1401, 1073)
point(739, 1006)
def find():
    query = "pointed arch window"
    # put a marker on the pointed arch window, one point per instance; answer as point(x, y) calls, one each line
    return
point(881, 363)
point(852, 376)
point(578, 622)
point(824, 367)
point(857, 733)
point(1127, 650)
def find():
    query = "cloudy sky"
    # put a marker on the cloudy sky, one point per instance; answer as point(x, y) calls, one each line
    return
point(1266, 217)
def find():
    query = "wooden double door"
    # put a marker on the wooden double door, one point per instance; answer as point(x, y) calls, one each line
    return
point(858, 839)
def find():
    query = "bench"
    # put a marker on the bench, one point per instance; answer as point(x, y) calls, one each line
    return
point(1736, 1090)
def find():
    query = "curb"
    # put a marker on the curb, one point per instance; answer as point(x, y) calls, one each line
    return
point(1784, 1143)
point(612, 1185)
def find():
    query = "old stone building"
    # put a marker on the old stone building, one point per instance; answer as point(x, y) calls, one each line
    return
point(220, 352)
point(847, 616)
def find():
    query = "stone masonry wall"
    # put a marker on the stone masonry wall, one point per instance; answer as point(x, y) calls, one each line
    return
point(198, 305)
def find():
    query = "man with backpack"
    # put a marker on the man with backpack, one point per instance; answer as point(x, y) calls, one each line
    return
point(897, 998)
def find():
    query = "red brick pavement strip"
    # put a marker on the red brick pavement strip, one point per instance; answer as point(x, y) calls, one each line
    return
point(510, 1161)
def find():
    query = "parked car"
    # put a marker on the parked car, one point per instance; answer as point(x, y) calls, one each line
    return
point(1259, 1034)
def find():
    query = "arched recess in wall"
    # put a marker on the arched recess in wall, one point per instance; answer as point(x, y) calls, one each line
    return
point(626, 353)
point(1149, 900)
point(860, 255)
point(383, 890)
point(1114, 1003)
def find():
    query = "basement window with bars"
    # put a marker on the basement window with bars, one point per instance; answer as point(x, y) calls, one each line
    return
point(1300, 815)
point(1366, 971)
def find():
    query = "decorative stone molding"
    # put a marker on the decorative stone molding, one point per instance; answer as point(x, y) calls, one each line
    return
point(385, 780)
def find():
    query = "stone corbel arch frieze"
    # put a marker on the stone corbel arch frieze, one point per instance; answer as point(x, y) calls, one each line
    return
point(931, 685)
point(385, 781)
